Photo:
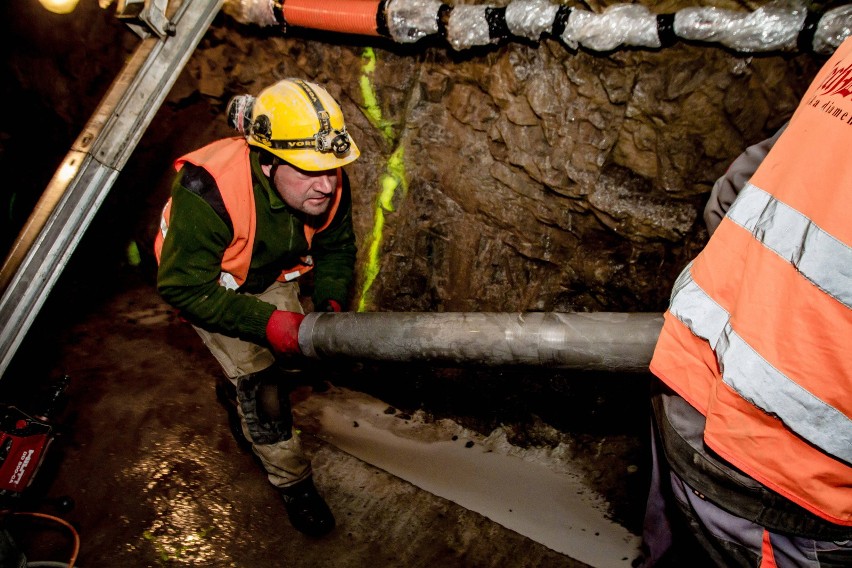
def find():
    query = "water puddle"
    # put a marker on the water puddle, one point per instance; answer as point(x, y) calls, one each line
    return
point(532, 492)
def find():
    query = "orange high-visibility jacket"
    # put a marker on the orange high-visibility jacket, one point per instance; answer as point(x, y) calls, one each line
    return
point(227, 160)
point(758, 335)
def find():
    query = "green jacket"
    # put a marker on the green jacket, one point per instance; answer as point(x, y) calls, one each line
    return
point(200, 231)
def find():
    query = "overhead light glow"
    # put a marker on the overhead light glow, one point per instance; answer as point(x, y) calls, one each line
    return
point(59, 6)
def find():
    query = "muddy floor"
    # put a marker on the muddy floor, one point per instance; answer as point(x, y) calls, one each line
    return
point(145, 453)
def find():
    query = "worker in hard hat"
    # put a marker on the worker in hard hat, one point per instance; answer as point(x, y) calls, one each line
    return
point(753, 414)
point(247, 216)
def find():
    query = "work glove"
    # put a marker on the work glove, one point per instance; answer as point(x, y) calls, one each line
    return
point(282, 332)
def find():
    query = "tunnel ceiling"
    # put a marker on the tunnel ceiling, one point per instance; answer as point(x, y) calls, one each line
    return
point(513, 177)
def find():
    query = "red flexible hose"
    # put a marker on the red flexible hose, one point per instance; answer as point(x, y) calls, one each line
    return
point(63, 522)
point(345, 16)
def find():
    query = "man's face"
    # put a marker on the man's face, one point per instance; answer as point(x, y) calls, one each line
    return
point(308, 192)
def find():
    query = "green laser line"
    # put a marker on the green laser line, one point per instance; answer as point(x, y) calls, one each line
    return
point(393, 178)
point(371, 101)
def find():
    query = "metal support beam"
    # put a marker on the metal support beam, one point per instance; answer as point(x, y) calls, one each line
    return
point(89, 170)
point(606, 341)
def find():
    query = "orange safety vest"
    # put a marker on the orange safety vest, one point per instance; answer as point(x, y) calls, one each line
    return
point(227, 161)
point(757, 334)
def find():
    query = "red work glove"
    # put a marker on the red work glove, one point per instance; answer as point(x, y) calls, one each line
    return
point(282, 332)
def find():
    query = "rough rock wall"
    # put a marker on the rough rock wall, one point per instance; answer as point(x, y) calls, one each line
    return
point(523, 176)
point(541, 179)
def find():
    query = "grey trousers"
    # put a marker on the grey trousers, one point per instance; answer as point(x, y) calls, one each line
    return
point(243, 363)
point(725, 540)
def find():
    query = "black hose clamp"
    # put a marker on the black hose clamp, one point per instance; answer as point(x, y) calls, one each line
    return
point(665, 29)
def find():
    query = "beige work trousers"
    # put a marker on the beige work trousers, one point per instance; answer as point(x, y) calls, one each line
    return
point(284, 461)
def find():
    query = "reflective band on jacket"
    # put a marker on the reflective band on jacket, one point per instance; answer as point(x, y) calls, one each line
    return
point(755, 379)
point(820, 258)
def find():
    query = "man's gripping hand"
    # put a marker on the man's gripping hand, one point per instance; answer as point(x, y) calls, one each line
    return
point(282, 332)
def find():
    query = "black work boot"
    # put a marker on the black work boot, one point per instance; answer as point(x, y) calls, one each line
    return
point(307, 509)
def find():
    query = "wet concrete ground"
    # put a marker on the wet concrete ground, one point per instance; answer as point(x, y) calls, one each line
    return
point(145, 452)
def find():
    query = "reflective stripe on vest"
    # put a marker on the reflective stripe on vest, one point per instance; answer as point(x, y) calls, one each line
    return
point(821, 258)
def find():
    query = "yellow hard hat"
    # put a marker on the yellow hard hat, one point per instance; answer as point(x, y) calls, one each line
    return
point(299, 122)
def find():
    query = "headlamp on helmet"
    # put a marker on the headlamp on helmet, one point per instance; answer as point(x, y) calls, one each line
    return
point(298, 121)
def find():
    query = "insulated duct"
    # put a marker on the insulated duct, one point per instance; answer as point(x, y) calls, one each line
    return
point(601, 341)
point(783, 25)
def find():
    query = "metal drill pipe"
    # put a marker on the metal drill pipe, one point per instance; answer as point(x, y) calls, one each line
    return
point(609, 341)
